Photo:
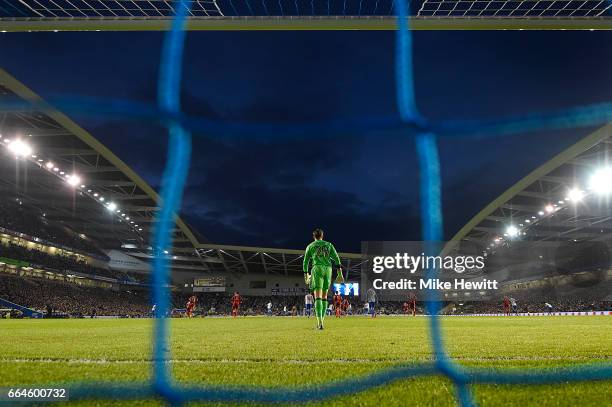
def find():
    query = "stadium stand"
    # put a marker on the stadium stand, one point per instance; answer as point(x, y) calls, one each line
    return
point(64, 264)
point(72, 300)
point(17, 216)
point(67, 299)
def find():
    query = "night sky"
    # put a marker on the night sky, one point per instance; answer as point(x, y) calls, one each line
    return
point(273, 191)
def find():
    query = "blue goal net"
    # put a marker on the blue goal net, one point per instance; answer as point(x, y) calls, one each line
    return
point(425, 134)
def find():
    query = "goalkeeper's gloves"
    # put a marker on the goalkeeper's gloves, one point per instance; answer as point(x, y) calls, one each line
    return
point(307, 278)
point(339, 276)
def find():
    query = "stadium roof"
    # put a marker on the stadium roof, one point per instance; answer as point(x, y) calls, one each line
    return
point(568, 198)
point(241, 259)
point(126, 215)
point(129, 15)
point(75, 178)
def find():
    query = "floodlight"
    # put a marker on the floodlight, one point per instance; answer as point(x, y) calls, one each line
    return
point(601, 181)
point(512, 231)
point(575, 195)
point(20, 148)
point(49, 165)
point(73, 180)
point(549, 208)
point(111, 206)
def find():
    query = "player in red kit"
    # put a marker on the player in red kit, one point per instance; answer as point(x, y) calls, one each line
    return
point(506, 306)
point(338, 304)
point(412, 304)
point(191, 303)
point(345, 305)
point(236, 300)
point(405, 307)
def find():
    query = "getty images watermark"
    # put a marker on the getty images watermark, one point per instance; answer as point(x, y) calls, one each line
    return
point(481, 271)
point(416, 265)
point(395, 268)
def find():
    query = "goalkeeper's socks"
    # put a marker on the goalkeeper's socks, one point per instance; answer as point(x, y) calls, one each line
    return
point(318, 310)
point(324, 311)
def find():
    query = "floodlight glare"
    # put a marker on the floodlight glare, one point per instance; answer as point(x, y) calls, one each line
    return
point(512, 231)
point(111, 206)
point(73, 180)
point(20, 148)
point(49, 165)
point(575, 195)
point(601, 181)
point(549, 208)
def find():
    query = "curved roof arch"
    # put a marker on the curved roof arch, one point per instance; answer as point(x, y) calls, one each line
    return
point(105, 177)
point(539, 206)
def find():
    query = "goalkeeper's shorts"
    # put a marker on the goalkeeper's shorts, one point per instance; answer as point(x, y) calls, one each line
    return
point(320, 278)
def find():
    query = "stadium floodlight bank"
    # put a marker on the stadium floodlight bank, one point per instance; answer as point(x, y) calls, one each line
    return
point(142, 15)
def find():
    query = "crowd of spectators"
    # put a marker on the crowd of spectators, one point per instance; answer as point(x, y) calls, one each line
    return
point(16, 215)
point(571, 304)
point(65, 298)
point(60, 298)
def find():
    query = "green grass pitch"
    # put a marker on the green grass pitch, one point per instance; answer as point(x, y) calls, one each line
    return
point(289, 352)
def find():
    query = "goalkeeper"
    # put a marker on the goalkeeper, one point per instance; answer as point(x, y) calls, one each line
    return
point(321, 255)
